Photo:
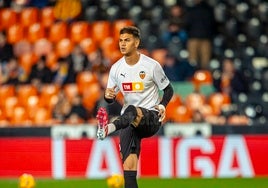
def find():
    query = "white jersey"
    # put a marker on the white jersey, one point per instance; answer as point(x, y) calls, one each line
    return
point(139, 83)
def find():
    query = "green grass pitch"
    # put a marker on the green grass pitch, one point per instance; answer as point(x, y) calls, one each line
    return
point(148, 183)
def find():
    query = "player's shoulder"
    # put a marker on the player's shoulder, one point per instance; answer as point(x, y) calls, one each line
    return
point(150, 62)
point(148, 58)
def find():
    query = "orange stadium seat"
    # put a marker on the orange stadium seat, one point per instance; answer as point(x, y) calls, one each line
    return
point(109, 46)
point(71, 90)
point(78, 31)
point(24, 92)
point(100, 30)
point(159, 55)
point(9, 104)
point(57, 31)
point(42, 116)
point(91, 94)
point(172, 105)
point(8, 17)
point(175, 101)
point(238, 120)
point(29, 16)
point(202, 77)
point(15, 33)
point(5, 92)
point(22, 47)
point(113, 57)
point(32, 104)
point(2, 116)
point(27, 60)
point(49, 95)
point(47, 17)
point(34, 32)
point(194, 101)
point(206, 110)
point(42, 47)
point(218, 101)
point(181, 114)
point(85, 79)
point(19, 116)
point(64, 47)
point(88, 45)
point(52, 60)
point(117, 25)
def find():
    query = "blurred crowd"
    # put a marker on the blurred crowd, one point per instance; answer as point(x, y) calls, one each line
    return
point(187, 37)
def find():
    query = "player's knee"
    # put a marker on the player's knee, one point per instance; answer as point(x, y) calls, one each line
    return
point(130, 109)
point(138, 118)
point(136, 114)
point(131, 162)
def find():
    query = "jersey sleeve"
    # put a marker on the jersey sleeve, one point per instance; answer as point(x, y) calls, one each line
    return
point(160, 77)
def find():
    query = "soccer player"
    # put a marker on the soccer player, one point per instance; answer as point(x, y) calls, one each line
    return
point(139, 78)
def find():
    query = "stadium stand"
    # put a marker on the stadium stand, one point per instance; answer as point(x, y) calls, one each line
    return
point(33, 32)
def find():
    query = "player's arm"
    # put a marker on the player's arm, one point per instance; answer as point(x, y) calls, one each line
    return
point(111, 89)
point(168, 93)
point(110, 94)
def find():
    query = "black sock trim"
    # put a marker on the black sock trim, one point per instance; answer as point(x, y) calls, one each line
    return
point(130, 179)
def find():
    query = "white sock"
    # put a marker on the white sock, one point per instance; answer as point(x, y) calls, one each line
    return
point(111, 128)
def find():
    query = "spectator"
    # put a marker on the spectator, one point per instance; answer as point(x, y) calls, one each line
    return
point(40, 73)
point(175, 33)
point(78, 62)
point(78, 113)
point(6, 50)
point(62, 75)
point(62, 108)
point(100, 64)
point(12, 73)
point(200, 26)
point(230, 80)
point(176, 13)
point(5, 4)
point(198, 117)
point(38, 3)
point(177, 70)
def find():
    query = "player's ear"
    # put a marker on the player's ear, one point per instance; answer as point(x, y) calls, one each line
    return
point(137, 42)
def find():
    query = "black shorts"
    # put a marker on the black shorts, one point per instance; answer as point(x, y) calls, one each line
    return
point(130, 137)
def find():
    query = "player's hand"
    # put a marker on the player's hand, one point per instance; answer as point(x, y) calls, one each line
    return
point(161, 112)
point(110, 93)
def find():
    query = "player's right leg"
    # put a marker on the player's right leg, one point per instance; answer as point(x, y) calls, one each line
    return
point(102, 118)
point(131, 117)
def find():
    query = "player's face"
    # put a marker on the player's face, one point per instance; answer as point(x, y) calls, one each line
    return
point(128, 44)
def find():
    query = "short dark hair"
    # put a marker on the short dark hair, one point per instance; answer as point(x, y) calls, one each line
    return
point(131, 30)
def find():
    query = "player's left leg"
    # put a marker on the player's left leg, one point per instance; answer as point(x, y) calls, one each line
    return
point(130, 143)
point(130, 167)
point(130, 150)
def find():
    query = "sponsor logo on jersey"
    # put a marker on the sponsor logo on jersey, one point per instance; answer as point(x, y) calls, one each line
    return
point(133, 86)
point(142, 74)
point(163, 79)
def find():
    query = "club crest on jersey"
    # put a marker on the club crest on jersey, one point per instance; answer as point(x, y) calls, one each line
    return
point(142, 74)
